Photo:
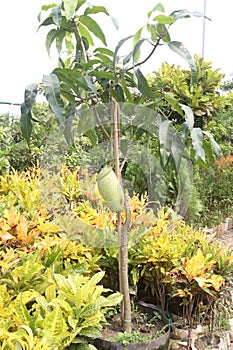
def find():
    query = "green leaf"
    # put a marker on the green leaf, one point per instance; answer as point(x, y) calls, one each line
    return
point(70, 7)
point(59, 39)
point(159, 7)
point(166, 131)
point(102, 74)
point(121, 42)
point(96, 9)
point(197, 142)
point(181, 50)
point(104, 51)
point(51, 36)
point(90, 84)
point(136, 38)
point(56, 15)
point(215, 145)
point(52, 93)
point(189, 116)
point(162, 19)
point(25, 118)
point(143, 86)
point(177, 148)
point(180, 14)
point(47, 22)
point(174, 103)
point(136, 50)
point(152, 29)
point(93, 27)
point(85, 34)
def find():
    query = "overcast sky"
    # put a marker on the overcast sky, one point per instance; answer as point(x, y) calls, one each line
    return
point(24, 60)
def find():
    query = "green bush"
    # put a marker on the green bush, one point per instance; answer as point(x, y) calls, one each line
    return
point(216, 192)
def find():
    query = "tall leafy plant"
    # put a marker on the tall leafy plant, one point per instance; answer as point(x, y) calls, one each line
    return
point(83, 81)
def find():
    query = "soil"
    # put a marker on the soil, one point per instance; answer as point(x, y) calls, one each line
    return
point(146, 325)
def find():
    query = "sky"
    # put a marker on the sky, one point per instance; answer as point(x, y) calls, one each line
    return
point(24, 60)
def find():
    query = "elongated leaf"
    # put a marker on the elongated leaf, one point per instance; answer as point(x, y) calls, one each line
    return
point(25, 123)
point(69, 7)
point(177, 148)
point(136, 50)
point(197, 142)
point(51, 36)
point(105, 51)
point(52, 93)
point(102, 74)
point(181, 50)
point(56, 15)
point(25, 119)
point(47, 22)
point(59, 39)
point(162, 19)
point(174, 103)
point(85, 34)
point(166, 131)
point(185, 14)
point(159, 7)
point(136, 39)
point(90, 84)
point(119, 45)
point(96, 9)
point(215, 145)
point(143, 86)
point(189, 117)
point(152, 29)
point(115, 23)
point(93, 27)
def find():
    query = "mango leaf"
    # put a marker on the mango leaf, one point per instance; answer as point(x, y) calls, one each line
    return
point(163, 32)
point(166, 131)
point(189, 117)
point(56, 15)
point(115, 23)
point(105, 51)
point(59, 39)
point(177, 148)
point(25, 119)
point(197, 142)
point(185, 14)
point(96, 9)
point(47, 22)
point(174, 103)
point(85, 34)
point(102, 74)
point(51, 36)
point(162, 19)
point(159, 7)
point(181, 50)
point(136, 50)
point(143, 86)
point(136, 39)
point(52, 93)
point(152, 29)
point(70, 7)
point(121, 42)
point(215, 145)
point(93, 27)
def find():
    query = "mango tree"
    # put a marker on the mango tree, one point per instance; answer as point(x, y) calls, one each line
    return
point(90, 76)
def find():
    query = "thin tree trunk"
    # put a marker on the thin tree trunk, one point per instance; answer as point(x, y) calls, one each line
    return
point(122, 230)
